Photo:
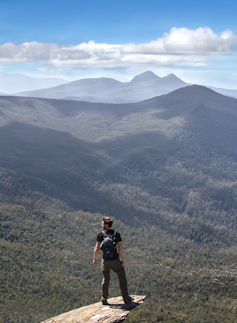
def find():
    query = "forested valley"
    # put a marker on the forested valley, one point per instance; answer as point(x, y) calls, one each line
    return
point(164, 169)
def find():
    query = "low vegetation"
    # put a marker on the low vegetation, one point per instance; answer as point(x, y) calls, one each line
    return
point(185, 266)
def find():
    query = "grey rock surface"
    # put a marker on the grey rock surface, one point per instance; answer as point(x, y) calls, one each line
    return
point(116, 311)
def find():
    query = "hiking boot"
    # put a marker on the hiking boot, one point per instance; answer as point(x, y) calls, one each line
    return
point(127, 300)
point(104, 301)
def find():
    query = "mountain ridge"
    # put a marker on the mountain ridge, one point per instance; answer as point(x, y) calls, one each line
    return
point(110, 120)
point(14, 83)
point(112, 91)
point(108, 90)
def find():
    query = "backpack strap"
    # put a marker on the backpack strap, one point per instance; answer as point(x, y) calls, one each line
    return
point(106, 234)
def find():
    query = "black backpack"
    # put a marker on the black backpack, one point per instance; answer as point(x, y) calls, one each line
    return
point(108, 245)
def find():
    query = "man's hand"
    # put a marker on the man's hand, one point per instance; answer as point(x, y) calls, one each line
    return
point(122, 262)
point(94, 262)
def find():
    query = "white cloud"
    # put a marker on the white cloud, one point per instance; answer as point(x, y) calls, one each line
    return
point(179, 46)
point(48, 71)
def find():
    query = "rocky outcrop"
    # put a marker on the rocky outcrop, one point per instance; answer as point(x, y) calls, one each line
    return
point(116, 311)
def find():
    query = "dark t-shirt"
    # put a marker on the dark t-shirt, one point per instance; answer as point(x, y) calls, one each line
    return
point(117, 239)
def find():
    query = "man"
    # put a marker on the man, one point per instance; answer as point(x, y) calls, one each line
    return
point(111, 260)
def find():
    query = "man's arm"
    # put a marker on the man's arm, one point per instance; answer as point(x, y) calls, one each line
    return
point(96, 251)
point(121, 252)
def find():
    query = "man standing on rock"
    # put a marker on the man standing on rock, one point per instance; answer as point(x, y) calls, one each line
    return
point(107, 241)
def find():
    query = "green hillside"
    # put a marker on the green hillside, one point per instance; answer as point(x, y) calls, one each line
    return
point(165, 169)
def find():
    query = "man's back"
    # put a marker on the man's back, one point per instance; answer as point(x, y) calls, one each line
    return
point(112, 262)
point(108, 241)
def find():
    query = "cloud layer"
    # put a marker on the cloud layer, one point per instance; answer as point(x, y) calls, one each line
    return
point(179, 46)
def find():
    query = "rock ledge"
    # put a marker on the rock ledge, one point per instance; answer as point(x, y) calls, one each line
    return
point(116, 311)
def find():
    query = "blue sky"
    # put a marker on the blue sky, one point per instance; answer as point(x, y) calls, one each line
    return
point(74, 39)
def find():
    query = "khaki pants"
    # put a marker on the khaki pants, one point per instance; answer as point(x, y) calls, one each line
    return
point(117, 267)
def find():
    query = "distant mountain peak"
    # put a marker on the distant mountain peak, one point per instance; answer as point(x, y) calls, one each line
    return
point(171, 75)
point(173, 79)
point(148, 75)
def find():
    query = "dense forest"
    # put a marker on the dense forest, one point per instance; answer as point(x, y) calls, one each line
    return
point(172, 192)
point(46, 265)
